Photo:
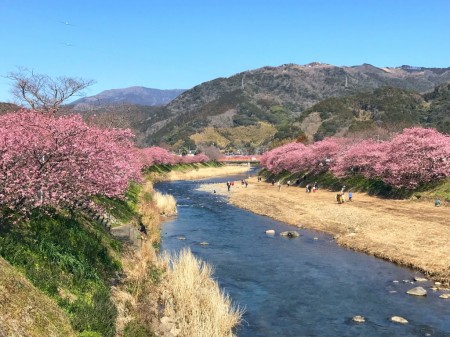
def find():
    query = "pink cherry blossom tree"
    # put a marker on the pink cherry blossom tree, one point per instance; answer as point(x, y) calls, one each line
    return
point(198, 158)
point(155, 155)
point(365, 157)
point(59, 161)
point(414, 157)
point(282, 158)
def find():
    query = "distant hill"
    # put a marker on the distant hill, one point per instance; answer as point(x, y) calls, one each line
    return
point(132, 95)
point(278, 96)
point(261, 108)
point(8, 107)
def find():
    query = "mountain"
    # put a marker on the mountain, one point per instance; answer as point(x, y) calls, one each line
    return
point(132, 95)
point(277, 96)
point(8, 107)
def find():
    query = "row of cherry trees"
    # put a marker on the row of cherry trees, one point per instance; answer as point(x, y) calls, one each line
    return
point(414, 157)
point(48, 160)
point(157, 155)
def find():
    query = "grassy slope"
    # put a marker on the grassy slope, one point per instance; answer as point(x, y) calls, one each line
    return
point(71, 259)
point(59, 266)
point(26, 311)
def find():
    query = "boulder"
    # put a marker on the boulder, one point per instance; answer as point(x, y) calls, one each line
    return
point(420, 279)
point(204, 243)
point(398, 319)
point(290, 234)
point(445, 296)
point(417, 291)
point(358, 319)
point(270, 232)
point(166, 320)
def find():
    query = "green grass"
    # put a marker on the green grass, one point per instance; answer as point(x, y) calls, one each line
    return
point(71, 259)
point(124, 210)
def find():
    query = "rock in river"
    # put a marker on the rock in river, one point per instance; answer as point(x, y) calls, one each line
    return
point(398, 319)
point(358, 319)
point(270, 232)
point(290, 234)
point(417, 291)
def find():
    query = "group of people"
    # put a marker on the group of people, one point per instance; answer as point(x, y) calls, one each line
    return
point(231, 183)
point(313, 188)
point(340, 197)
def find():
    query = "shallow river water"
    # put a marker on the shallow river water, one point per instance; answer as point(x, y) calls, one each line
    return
point(306, 286)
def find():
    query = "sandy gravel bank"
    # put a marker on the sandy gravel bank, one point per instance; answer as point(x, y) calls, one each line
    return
point(409, 232)
point(205, 172)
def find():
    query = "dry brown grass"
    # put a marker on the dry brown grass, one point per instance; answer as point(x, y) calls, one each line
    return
point(166, 203)
point(413, 233)
point(209, 135)
point(194, 300)
point(138, 289)
point(137, 297)
point(253, 134)
point(206, 172)
point(151, 206)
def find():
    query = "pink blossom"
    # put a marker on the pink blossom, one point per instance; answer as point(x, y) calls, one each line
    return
point(48, 160)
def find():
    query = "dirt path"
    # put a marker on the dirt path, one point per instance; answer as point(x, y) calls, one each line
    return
point(409, 232)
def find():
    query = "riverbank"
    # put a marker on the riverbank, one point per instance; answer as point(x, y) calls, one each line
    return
point(170, 295)
point(412, 233)
point(201, 173)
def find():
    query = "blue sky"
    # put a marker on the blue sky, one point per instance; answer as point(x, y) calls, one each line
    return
point(168, 44)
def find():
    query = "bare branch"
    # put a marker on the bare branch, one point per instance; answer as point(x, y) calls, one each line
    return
point(41, 92)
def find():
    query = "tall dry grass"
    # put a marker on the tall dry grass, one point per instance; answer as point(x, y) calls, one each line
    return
point(194, 300)
point(151, 206)
point(136, 298)
point(166, 203)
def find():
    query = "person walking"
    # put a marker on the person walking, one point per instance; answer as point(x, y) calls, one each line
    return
point(142, 231)
point(279, 185)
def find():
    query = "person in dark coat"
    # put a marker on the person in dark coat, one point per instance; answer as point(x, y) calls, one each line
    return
point(142, 231)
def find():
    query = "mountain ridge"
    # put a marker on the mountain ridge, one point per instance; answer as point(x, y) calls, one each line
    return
point(279, 94)
point(131, 95)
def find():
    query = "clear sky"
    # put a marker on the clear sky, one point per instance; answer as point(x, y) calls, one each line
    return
point(177, 44)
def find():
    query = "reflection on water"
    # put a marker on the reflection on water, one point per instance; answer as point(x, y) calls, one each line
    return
point(297, 287)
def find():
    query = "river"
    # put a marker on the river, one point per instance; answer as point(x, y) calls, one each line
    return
point(307, 286)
